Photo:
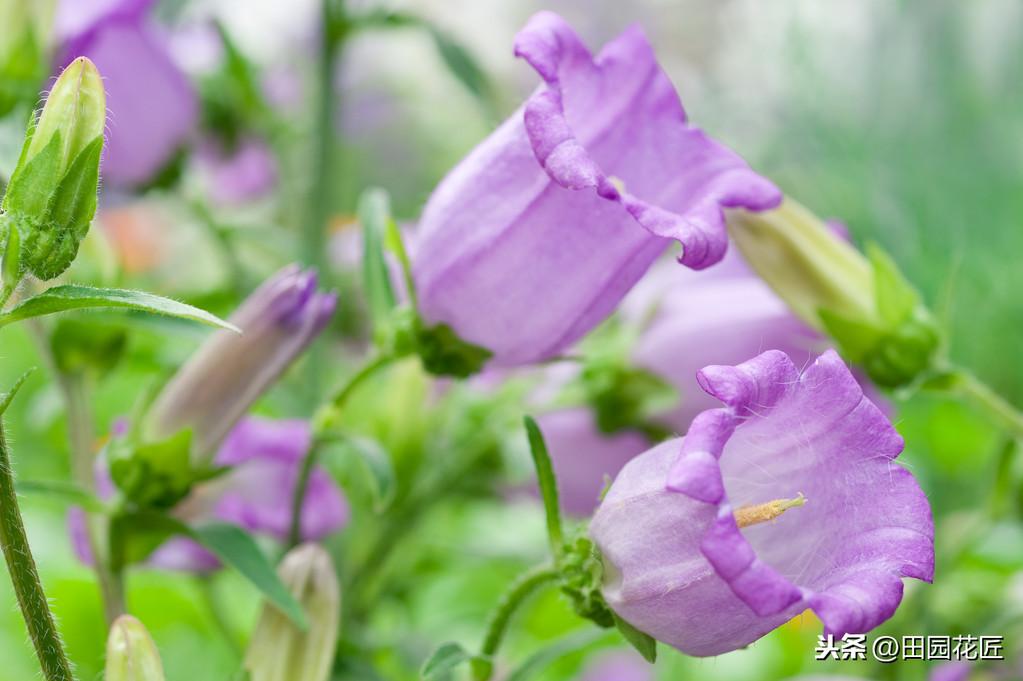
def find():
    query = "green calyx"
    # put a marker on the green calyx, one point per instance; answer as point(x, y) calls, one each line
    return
point(51, 198)
point(438, 347)
point(582, 573)
point(154, 475)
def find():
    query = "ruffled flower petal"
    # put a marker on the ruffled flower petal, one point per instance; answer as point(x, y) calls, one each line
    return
point(681, 569)
point(539, 232)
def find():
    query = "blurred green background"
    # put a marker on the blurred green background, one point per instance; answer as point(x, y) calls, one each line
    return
point(902, 119)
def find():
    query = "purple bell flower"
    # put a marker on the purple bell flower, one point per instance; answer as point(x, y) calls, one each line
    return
point(153, 107)
point(230, 371)
point(541, 230)
point(787, 498)
point(265, 457)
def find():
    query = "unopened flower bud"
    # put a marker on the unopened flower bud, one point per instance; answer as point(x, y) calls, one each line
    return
point(863, 302)
point(280, 651)
point(131, 653)
point(51, 198)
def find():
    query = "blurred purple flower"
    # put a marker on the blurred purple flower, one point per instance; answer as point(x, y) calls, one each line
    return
point(619, 665)
point(243, 173)
point(948, 671)
point(680, 568)
point(533, 238)
point(230, 371)
point(265, 457)
point(153, 108)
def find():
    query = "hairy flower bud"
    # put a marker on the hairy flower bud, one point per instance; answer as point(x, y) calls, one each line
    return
point(279, 651)
point(863, 302)
point(131, 653)
point(51, 198)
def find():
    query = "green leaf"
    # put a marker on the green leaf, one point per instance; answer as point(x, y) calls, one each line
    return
point(8, 397)
point(374, 217)
point(236, 548)
point(539, 661)
point(548, 485)
point(370, 462)
point(463, 66)
point(895, 296)
point(74, 297)
point(443, 661)
point(65, 490)
point(644, 643)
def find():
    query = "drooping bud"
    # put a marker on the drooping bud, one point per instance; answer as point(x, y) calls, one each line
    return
point(51, 198)
point(131, 653)
point(863, 302)
point(279, 651)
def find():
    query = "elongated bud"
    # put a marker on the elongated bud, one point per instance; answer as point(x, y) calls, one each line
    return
point(279, 651)
point(863, 302)
point(131, 653)
point(52, 193)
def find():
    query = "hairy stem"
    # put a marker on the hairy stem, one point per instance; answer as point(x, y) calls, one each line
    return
point(25, 577)
point(497, 626)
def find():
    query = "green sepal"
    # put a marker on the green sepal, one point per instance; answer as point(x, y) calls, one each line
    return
point(645, 644)
point(153, 475)
point(582, 573)
point(442, 352)
point(895, 297)
point(624, 396)
point(69, 214)
point(34, 180)
point(854, 338)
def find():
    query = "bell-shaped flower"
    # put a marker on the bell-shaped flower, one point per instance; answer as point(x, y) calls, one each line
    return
point(153, 107)
point(230, 371)
point(541, 230)
point(785, 499)
point(265, 457)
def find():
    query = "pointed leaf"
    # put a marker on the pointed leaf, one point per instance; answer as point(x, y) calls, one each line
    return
point(74, 297)
point(8, 397)
point(548, 485)
point(464, 67)
point(34, 180)
point(236, 548)
point(374, 215)
point(68, 491)
point(443, 661)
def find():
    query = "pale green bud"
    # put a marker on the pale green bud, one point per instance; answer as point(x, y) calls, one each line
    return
point(131, 653)
point(51, 198)
point(76, 109)
point(863, 302)
point(280, 651)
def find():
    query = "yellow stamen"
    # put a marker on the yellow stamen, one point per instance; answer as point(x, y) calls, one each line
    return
point(761, 513)
point(618, 183)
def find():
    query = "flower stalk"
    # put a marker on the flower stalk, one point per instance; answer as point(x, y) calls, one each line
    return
point(527, 584)
point(21, 565)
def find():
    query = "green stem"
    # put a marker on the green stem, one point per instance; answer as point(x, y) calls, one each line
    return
point(309, 462)
point(520, 590)
point(81, 436)
point(1004, 413)
point(25, 577)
